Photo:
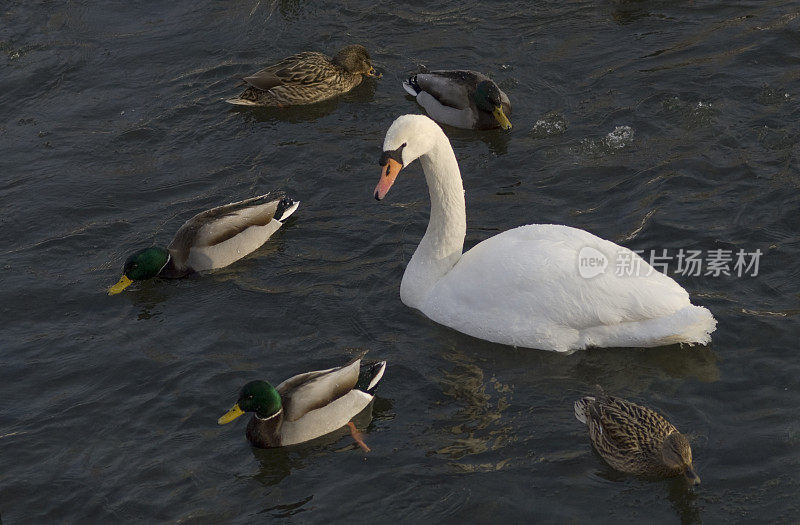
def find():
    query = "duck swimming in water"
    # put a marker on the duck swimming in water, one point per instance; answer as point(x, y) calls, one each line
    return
point(306, 78)
point(307, 406)
point(211, 239)
point(635, 439)
point(461, 98)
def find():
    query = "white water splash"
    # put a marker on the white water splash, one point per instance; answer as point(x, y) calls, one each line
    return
point(550, 125)
point(619, 138)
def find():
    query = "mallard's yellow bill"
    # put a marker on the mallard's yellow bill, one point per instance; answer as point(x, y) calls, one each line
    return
point(501, 118)
point(123, 283)
point(230, 415)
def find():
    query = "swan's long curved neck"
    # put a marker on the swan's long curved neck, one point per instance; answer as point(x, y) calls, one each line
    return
point(441, 247)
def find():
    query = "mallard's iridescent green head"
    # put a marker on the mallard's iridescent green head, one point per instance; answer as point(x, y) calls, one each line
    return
point(256, 396)
point(677, 455)
point(355, 59)
point(487, 98)
point(141, 265)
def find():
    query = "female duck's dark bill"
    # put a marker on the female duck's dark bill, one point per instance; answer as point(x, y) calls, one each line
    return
point(692, 476)
point(388, 175)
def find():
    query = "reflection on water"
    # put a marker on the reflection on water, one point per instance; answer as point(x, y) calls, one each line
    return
point(635, 369)
point(683, 498)
point(287, 509)
point(616, 369)
point(497, 140)
point(477, 425)
point(277, 463)
point(148, 295)
point(627, 13)
point(293, 114)
point(362, 94)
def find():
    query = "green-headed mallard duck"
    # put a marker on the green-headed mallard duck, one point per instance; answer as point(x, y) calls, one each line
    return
point(211, 239)
point(306, 78)
point(461, 98)
point(306, 406)
point(635, 439)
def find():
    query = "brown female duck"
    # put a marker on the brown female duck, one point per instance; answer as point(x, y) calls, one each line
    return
point(306, 78)
point(635, 439)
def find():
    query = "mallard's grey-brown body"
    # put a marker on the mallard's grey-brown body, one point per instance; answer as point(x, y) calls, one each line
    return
point(306, 78)
point(317, 403)
point(217, 237)
point(448, 97)
point(632, 438)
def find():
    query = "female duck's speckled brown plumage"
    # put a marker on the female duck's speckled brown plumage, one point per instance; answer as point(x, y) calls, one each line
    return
point(306, 78)
point(635, 439)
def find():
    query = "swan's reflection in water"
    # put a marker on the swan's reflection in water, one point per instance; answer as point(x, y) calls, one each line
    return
point(473, 423)
point(490, 392)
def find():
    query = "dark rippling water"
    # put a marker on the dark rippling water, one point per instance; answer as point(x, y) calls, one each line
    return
point(656, 124)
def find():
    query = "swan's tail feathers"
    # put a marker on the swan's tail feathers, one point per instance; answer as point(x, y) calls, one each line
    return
point(369, 376)
point(236, 101)
point(411, 86)
point(689, 325)
point(286, 207)
point(582, 408)
point(701, 327)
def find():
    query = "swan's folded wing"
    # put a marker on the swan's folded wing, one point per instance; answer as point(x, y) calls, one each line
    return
point(306, 392)
point(524, 283)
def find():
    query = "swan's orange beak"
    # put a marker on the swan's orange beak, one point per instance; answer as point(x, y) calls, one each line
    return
point(388, 174)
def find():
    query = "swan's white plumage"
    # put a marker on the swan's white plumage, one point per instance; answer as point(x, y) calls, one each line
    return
point(523, 287)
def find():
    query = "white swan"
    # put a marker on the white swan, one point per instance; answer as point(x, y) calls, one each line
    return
point(523, 287)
